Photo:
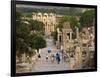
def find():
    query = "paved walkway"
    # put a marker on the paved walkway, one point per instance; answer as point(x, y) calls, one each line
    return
point(43, 65)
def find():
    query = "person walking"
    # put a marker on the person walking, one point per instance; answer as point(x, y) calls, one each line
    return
point(65, 57)
point(58, 57)
point(49, 50)
point(52, 58)
point(39, 56)
point(46, 57)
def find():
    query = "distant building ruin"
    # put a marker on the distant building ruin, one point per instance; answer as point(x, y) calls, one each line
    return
point(49, 20)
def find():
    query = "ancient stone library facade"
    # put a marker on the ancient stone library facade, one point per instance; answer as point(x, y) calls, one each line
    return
point(49, 19)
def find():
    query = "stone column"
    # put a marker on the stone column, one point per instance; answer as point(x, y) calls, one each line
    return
point(77, 33)
point(78, 57)
point(24, 57)
point(58, 37)
point(64, 46)
point(70, 36)
point(63, 37)
point(58, 34)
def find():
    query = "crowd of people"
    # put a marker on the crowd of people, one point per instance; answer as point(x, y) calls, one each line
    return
point(55, 57)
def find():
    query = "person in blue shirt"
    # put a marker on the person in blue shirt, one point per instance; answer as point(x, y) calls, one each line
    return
point(49, 50)
point(58, 57)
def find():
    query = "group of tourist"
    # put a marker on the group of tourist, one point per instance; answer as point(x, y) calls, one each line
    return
point(53, 57)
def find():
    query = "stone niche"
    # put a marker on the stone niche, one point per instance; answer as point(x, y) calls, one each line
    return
point(67, 31)
point(65, 36)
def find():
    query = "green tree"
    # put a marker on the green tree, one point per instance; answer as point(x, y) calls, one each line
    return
point(54, 35)
point(62, 20)
point(36, 25)
point(87, 18)
point(29, 15)
point(21, 46)
point(24, 39)
point(38, 42)
point(22, 33)
point(74, 22)
point(72, 19)
point(18, 18)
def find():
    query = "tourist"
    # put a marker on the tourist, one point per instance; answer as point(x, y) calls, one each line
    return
point(52, 58)
point(39, 56)
point(58, 57)
point(46, 57)
point(49, 50)
point(72, 63)
point(65, 57)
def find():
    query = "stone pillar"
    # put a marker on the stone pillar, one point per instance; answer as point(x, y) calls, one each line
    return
point(77, 33)
point(70, 36)
point(78, 57)
point(64, 40)
point(24, 57)
point(58, 37)
point(64, 46)
point(61, 48)
point(58, 34)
